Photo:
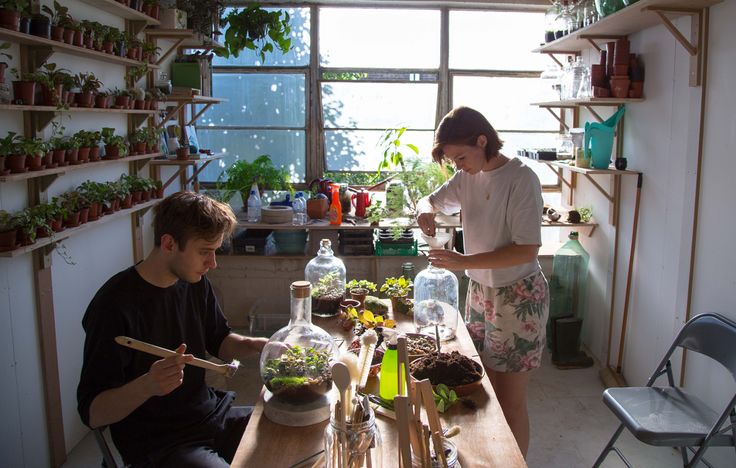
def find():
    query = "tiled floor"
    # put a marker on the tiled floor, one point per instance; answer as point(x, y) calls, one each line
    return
point(570, 424)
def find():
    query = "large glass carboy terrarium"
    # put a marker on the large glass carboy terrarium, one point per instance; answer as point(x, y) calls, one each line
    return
point(326, 273)
point(295, 366)
point(436, 296)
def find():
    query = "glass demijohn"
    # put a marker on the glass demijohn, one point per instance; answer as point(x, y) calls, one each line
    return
point(436, 301)
point(295, 363)
point(326, 273)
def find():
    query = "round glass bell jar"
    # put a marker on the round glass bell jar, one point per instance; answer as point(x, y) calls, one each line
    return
point(436, 298)
point(295, 364)
point(326, 274)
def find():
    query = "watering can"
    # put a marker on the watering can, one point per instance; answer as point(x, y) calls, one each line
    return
point(598, 142)
point(361, 201)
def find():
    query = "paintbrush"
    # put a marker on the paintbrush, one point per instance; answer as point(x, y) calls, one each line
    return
point(228, 370)
point(367, 348)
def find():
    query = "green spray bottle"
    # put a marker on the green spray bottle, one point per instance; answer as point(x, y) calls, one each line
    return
point(388, 383)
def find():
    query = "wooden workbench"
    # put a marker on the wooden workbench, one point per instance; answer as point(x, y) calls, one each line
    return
point(485, 441)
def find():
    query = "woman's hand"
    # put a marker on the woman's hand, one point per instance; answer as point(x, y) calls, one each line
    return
point(448, 259)
point(426, 223)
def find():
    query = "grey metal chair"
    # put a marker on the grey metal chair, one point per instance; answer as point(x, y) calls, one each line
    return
point(670, 416)
point(108, 459)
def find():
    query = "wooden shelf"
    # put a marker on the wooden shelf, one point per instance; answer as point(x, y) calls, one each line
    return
point(172, 98)
point(582, 170)
point(56, 46)
point(570, 103)
point(57, 171)
point(191, 40)
point(75, 109)
point(622, 23)
point(69, 232)
point(189, 162)
point(119, 9)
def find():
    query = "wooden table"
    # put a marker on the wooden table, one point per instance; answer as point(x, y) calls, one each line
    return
point(485, 440)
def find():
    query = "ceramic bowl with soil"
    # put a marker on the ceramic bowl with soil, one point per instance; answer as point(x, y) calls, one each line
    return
point(419, 345)
point(458, 372)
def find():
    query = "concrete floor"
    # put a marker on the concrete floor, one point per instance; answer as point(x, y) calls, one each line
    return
point(569, 422)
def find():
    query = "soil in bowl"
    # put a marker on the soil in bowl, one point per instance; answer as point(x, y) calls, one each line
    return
point(452, 369)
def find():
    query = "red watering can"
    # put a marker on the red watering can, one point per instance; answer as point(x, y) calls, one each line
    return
point(361, 201)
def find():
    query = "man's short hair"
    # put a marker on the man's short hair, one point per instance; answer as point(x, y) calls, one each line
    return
point(189, 215)
point(462, 126)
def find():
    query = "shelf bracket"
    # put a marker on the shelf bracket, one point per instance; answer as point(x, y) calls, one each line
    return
point(593, 43)
point(560, 176)
point(170, 114)
point(169, 51)
point(38, 55)
point(41, 119)
point(193, 179)
point(138, 119)
point(608, 196)
point(201, 111)
point(697, 33)
point(595, 114)
point(559, 119)
point(137, 26)
point(552, 56)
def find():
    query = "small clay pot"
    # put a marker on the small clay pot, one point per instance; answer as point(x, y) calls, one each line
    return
point(637, 89)
point(620, 164)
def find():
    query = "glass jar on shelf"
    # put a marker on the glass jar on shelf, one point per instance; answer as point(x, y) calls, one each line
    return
point(550, 24)
point(357, 444)
point(551, 77)
point(326, 274)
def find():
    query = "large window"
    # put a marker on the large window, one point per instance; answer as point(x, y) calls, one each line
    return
point(378, 68)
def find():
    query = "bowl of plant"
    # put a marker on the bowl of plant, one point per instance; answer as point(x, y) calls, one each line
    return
point(299, 375)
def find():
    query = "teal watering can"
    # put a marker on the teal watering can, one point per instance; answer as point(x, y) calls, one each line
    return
point(598, 142)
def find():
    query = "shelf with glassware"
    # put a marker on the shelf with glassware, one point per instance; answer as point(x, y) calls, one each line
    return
point(633, 18)
point(124, 11)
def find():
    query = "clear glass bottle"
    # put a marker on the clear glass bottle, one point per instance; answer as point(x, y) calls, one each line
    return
point(295, 361)
point(355, 445)
point(551, 79)
point(550, 16)
point(326, 273)
point(436, 302)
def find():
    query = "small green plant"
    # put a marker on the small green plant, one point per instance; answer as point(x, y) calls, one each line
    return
point(363, 284)
point(585, 214)
point(297, 364)
point(375, 212)
point(241, 175)
point(368, 319)
point(397, 287)
point(5, 46)
point(8, 221)
point(328, 285)
point(57, 14)
point(10, 144)
point(444, 397)
point(87, 82)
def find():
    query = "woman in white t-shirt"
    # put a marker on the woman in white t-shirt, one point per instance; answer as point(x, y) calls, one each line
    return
point(508, 299)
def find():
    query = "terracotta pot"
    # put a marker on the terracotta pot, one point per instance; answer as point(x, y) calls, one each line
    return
point(59, 157)
point(68, 36)
point(112, 152)
point(72, 220)
point(107, 47)
point(3, 66)
point(136, 196)
point(621, 70)
point(637, 89)
point(317, 208)
point(139, 104)
point(48, 160)
point(24, 92)
point(83, 154)
point(57, 224)
point(78, 39)
point(85, 99)
point(52, 97)
point(83, 215)
point(35, 162)
point(8, 240)
point(597, 75)
point(140, 148)
point(94, 153)
point(122, 101)
point(16, 163)
point(400, 304)
point(72, 157)
point(24, 238)
point(620, 87)
point(94, 211)
point(182, 154)
point(359, 294)
point(155, 10)
point(9, 19)
point(57, 33)
point(127, 202)
point(102, 101)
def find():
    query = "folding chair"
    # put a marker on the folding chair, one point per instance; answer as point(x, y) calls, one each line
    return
point(671, 417)
point(108, 459)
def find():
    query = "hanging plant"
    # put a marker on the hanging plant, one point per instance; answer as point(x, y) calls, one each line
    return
point(256, 29)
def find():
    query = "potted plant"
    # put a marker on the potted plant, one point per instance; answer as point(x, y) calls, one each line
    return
point(13, 161)
point(203, 16)
point(40, 25)
point(241, 175)
point(51, 80)
point(327, 295)
point(71, 146)
point(9, 223)
point(365, 320)
point(139, 140)
point(4, 65)
point(50, 217)
point(398, 289)
point(111, 40)
point(299, 375)
point(30, 221)
point(24, 87)
point(359, 289)
point(317, 205)
point(10, 11)
point(150, 52)
point(114, 144)
point(88, 85)
point(34, 149)
point(94, 193)
point(256, 29)
point(72, 202)
point(57, 15)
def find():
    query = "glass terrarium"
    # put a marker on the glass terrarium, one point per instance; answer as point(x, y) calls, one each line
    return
point(436, 296)
point(295, 363)
point(326, 273)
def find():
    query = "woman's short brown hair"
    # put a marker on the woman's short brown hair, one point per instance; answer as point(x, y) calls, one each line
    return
point(463, 126)
point(189, 215)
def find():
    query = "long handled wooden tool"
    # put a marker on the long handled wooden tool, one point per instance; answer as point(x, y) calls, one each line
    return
point(228, 370)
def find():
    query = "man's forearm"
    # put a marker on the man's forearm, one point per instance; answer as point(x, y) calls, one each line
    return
point(116, 404)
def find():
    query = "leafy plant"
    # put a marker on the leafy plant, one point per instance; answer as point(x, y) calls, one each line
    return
point(73, 201)
point(256, 29)
point(134, 74)
point(368, 319)
point(204, 16)
point(364, 284)
point(397, 287)
point(375, 212)
point(5, 46)
point(391, 144)
point(8, 221)
point(422, 178)
point(57, 14)
point(241, 175)
point(444, 398)
point(297, 361)
point(585, 214)
point(10, 144)
point(32, 146)
point(87, 82)
point(328, 285)
point(95, 192)
point(15, 5)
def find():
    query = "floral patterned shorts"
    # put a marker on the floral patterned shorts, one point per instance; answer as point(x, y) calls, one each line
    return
point(508, 324)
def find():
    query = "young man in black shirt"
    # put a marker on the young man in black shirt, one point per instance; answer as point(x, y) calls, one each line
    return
point(160, 411)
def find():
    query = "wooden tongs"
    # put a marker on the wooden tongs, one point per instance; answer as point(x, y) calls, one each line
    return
point(228, 370)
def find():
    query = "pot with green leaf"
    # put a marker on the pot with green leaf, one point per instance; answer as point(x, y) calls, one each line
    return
point(9, 223)
point(10, 12)
point(88, 85)
point(57, 15)
point(114, 144)
point(35, 150)
point(398, 289)
point(256, 29)
point(73, 202)
point(13, 161)
point(51, 80)
point(94, 193)
point(359, 289)
point(241, 175)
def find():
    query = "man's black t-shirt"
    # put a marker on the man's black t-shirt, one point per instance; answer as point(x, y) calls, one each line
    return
point(167, 317)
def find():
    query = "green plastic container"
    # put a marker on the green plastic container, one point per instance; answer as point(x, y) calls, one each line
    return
point(186, 74)
point(396, 249)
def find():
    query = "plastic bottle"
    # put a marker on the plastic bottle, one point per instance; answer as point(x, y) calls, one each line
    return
point(254, 205)
point(388, 384)
point(335, 212)
point(300, 209)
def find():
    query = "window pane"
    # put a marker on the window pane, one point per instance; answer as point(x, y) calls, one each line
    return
point(257, 100)
point(286, 148)
point(297, 56)
point(496, 40)
point(358, 150)
point(379, 105)
point(506, 101)
point(379, 38)
point(512, 142)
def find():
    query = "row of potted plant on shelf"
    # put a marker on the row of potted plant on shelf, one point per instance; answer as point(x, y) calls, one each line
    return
point(86, 203)
point(21, 154)
point(60, 26)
